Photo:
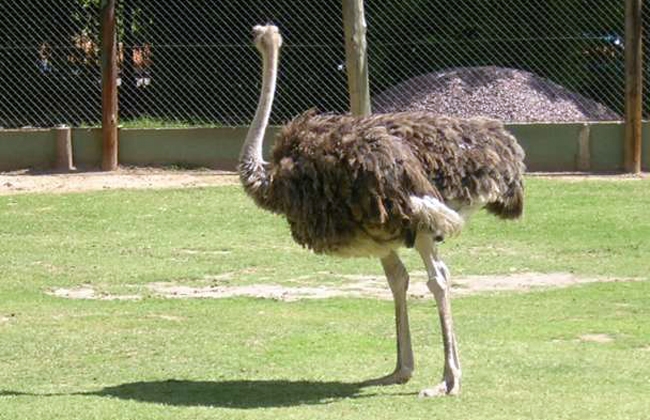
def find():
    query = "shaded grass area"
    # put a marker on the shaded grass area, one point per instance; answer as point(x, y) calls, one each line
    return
point(524, 355)
point(242, 358)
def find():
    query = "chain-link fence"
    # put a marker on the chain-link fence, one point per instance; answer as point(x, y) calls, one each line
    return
point(517, 60)
point(197, 63)
point(48, 63)
point(192, 62)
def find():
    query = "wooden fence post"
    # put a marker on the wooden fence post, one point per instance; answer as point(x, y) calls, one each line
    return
point(633, 85)
point(64, 161)
point(109, 86)
point(355, 27)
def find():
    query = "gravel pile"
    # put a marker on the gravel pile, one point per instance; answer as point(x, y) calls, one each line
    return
point(506, 94)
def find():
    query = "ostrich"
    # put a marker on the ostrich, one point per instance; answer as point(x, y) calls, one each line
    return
point(366, 186)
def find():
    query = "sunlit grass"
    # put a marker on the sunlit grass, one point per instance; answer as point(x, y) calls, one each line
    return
point(525, 356)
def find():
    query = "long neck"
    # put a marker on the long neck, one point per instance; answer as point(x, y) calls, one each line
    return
point(252, 172)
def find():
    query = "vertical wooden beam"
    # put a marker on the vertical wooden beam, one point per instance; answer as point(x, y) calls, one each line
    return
point(633, 85)
point(109, 86)
point(354, 23)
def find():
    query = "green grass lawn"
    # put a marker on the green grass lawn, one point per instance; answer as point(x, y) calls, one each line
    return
point(523, 356)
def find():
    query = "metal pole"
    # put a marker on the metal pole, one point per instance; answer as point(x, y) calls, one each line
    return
point(633, 85)
point(354, 23)
point(109, 86)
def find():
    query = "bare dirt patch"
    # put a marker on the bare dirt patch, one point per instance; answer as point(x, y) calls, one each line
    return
point(22, 182)
point(87, 292)
point(596, 338)
point(357, 286)
point(264, 291)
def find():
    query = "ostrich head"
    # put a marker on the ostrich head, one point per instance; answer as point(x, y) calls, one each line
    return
point(267, 37)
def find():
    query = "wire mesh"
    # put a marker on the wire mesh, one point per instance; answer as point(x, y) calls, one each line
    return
point(198, 64)
point(516, 60)
point(49, 72)
point(192, 62)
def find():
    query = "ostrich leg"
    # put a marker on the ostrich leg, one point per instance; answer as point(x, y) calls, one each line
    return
point(439, 284)
point(398, 281)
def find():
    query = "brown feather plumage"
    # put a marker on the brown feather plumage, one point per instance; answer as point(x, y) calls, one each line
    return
point(334, 176)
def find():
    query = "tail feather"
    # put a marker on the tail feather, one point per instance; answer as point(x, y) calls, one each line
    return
point(510, 205)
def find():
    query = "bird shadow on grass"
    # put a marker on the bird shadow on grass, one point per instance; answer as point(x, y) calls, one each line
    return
point(243, 394)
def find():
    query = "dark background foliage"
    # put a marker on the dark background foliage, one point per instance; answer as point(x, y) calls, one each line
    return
point(192, 61)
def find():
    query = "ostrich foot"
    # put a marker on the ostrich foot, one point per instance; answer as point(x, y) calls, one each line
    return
point(440, 390)
point(400, 376)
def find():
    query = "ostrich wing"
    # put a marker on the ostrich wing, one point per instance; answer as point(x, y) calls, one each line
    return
point(335, 174)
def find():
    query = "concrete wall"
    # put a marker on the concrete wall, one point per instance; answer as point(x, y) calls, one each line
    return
point(191, 147)
point(645, 148)
point(27, 149)
point(554, 147)
point(549, 147)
